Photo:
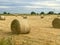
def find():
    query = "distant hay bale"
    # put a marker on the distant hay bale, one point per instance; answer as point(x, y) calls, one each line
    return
point(42, 16)
point(24, 17)
point(58, 15)
point(2, 17)
point(56, 23)
point(19, 27)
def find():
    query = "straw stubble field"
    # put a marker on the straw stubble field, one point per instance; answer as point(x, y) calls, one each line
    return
point(41, 33)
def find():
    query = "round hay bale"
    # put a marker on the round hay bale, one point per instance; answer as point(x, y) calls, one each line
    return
point(20, 27)
point(58, 15)
point(56, 23)
point(2, 17)
point(42, 16)
point(24, 17)
point(15, 26)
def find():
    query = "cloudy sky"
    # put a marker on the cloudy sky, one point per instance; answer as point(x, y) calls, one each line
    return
point(26, 6)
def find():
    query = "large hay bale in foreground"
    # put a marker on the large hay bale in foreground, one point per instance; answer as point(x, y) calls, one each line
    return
point(56, 23)
point(19, 27)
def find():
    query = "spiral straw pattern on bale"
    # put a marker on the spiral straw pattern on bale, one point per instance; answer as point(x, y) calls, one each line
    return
point(15, 26)
point(18, 27)
point(56, 23)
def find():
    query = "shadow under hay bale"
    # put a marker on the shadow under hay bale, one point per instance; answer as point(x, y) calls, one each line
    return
point(19, 27)
point(56, 23)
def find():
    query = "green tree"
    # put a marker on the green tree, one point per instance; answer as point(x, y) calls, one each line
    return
point(33, 13)
point(59, 13)
point(50, 12)
point(8, 13)
point(4, 12)
point(42, 13)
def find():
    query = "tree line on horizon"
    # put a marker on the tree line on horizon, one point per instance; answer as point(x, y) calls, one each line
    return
point(34, 13)
point(50, 12)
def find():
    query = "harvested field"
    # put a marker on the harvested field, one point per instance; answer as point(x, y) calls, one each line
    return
point(41, 33)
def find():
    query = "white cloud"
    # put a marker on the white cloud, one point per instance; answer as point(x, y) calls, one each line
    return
point(4, 7)
point(32, 6)
point(45, 4)
point(4, 0)
point(57, 0)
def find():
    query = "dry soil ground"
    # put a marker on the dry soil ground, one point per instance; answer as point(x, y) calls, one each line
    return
point(41, 33)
